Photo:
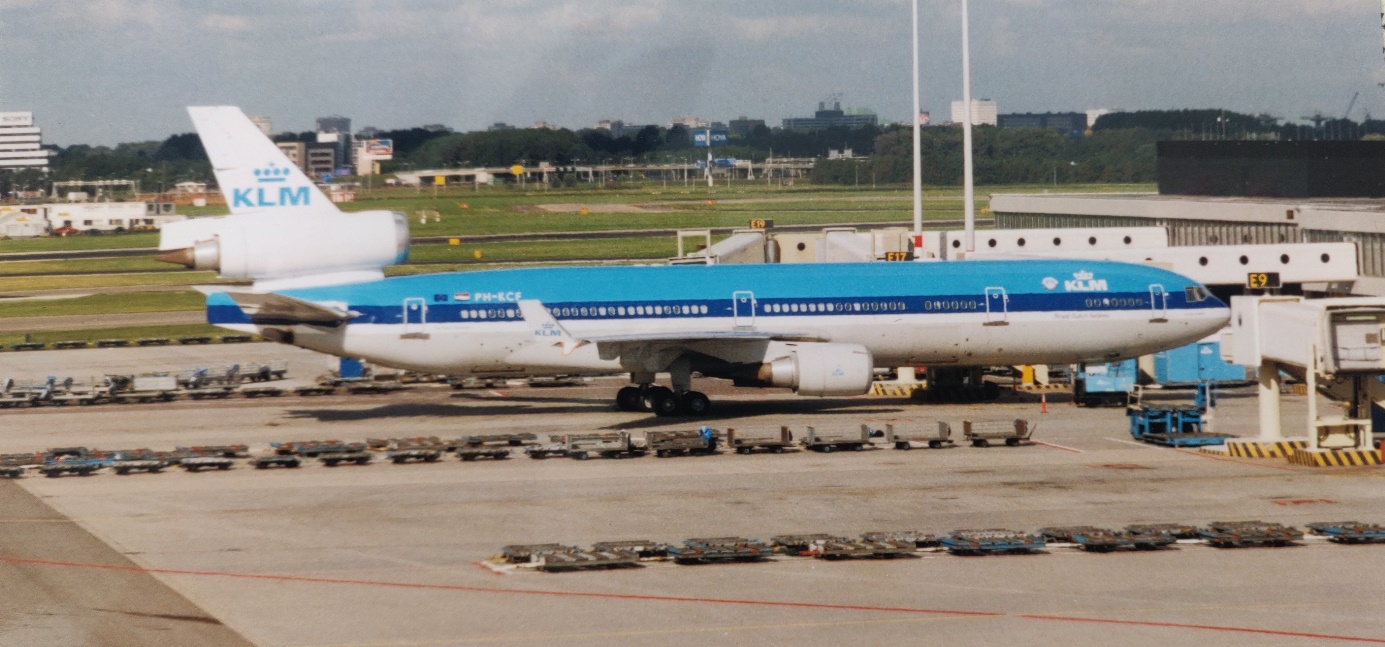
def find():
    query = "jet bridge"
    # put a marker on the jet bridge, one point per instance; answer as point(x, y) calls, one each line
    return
point(1323, 341)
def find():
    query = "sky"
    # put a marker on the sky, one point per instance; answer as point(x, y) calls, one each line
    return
point(103, 72)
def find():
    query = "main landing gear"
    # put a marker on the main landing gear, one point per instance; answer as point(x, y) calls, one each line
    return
point(663, 401)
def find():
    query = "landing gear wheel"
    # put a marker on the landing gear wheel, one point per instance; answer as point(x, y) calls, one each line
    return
point(629, 399)
point(661, 401)
point(695, 403)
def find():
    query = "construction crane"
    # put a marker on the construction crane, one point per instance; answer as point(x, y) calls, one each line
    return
point(1352, 104)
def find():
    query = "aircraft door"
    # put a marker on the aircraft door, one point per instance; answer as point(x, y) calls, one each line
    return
point(997, 307)
point(743, 308)
point(415, 316)
point(1158, 303)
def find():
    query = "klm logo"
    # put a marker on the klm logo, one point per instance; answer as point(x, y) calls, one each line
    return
point(548, 330)
point(1084, 282)
point(270, 196)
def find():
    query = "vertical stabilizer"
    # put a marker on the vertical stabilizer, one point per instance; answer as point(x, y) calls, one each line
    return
point(254, 175)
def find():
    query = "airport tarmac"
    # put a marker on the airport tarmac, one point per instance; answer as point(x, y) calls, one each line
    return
point(385, 555)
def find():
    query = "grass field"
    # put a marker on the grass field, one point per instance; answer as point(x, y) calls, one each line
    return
point(98, 304)
point(463, 212)
point(132, 333)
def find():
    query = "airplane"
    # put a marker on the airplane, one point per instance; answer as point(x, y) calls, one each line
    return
point(819, 329)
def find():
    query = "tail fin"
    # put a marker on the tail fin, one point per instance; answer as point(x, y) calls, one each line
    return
point(254, 175)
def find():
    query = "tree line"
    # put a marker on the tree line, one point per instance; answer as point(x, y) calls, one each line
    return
point(1120, 147)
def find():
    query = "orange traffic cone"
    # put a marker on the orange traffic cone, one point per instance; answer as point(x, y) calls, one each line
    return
point(1043, 402)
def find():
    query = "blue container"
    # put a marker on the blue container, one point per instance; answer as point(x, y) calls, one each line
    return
point(1197, 362)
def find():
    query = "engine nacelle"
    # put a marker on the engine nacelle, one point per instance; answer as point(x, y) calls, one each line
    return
point(272, 246)
point(822, 369)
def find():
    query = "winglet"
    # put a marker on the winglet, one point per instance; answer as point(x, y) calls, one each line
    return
point(544, 326)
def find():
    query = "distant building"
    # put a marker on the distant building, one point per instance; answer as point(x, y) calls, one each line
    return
point(1068, 123)
point(826, 118)
point(543, 125)
point(297, 152)
point(436, 128)
point(335, 130)
point(690, 122)
point(983, 112)
point(333, 124)
point(742, 127)
point(1095, 114)
point(322, 159)
point(265, 124)
point(620, 129)
point(499, 126)
point(21, 142)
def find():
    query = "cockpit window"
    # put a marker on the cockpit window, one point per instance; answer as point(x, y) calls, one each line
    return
point(1196, 293)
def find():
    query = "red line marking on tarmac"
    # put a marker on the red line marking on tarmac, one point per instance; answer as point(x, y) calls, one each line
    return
point(697, 600)
point(1066, 449)
point(492, 571)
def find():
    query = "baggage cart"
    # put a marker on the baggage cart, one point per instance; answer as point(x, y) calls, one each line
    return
point(585, 560)
point(12, 471)
point(315, 389)
point(618, 444)
point(827, 443)
point(546, 451)
point(526, 553)
point(700, 442)
point(1174, 530)
point(261, 391)
point(517, 439)
point(935, 440)
point(746, 444)
point(77, 467)
point(980, 434)
point(149, 465)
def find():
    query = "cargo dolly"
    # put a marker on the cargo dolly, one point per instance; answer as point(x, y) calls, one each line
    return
point(1349, 532)
point(224, 451)
point(586, 560)
point(149, 465)
point(415, 454)
point(825, 443)
point(833, 547)
point(941, 438)
point(12, 471)
point(1089, 538)
point(750, 444)
point(918, 539)
point(527, 553)
point(316, 448)
point(642, 548)
point(700, 442)
point(990, 542)
point(1172, 530)
point(77, 466)
point(262, 391)
point(514, 440)
point(473, 452)
point(719, 549)
point(315, 389)
point(198, 463)
point(980, 434)
point(276, 460)
point(354, 453)
point(1243, 534)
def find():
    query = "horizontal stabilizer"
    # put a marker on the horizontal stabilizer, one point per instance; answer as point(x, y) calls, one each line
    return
point(279, 310)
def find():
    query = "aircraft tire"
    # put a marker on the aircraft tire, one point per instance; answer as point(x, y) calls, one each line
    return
point(695, 403)
point(663, 402)
point(629, 399)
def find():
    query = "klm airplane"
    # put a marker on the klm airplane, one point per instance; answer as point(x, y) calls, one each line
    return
point(819, 329)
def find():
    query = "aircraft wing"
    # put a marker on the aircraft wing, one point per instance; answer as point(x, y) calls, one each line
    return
point(544, 326)
point(277, 310)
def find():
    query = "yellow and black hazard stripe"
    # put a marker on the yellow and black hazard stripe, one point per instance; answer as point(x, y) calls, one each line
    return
point(1041, 387)
point(1335, 457)
point(895, 389)
point(1258, 449)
